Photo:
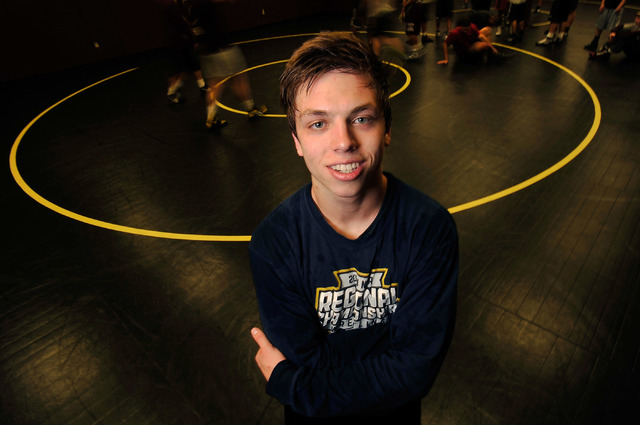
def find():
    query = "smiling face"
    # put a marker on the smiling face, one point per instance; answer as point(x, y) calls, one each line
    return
point(341, 135)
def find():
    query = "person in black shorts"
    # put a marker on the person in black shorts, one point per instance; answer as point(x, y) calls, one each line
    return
point(517, 19)
point(444, 10)
point(412, 16)
point(425, 18)
point(222, 63)
point(381, 15)
point(558, 16)
point(183, 57)
point(572, 16)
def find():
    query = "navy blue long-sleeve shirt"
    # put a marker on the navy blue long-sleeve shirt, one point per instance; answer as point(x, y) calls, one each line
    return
point(364, 323)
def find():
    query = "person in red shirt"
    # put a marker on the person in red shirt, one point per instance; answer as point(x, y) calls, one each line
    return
point(468, 42)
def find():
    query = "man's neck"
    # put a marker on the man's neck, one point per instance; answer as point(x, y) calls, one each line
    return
point(352, 216)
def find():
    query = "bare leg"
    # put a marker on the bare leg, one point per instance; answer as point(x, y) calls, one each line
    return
point(214, 91)
point(173, 88)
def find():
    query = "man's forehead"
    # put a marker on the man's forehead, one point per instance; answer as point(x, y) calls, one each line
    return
point(310, 83)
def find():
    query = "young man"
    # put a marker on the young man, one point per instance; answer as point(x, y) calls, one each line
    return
point(469, 42)
point(356, 273)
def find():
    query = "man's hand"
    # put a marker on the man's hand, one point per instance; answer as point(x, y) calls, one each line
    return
point(268, 356)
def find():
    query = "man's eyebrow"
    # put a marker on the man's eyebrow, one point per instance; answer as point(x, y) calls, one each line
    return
point(313, 113)
point(365, 107)
point(323, 113)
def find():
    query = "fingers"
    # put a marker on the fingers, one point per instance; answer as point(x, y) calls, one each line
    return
point(260, 338)
point(267, 356)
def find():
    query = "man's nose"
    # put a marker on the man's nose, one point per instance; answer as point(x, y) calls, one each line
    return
point(343, 138)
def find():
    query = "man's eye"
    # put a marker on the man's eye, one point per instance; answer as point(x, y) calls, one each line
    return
point(362, 120)
point(317, 125)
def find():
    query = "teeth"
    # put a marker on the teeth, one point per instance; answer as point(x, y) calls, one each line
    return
point(345, 168)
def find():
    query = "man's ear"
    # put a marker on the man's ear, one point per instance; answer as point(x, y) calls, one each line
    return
point(387, 138)
point(297, 143)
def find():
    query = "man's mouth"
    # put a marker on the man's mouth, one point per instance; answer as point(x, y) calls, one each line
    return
point(345, 168)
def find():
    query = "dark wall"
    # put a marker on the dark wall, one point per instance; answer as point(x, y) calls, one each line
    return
point(41, 36)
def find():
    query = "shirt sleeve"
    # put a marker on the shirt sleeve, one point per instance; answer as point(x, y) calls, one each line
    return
point(377, 368)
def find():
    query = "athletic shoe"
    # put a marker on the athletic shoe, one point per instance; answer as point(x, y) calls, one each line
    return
point(257, 111)
point(216, 122)
point(546, 41)
point(592, 47)
point(602, 54)
point(417, 53)
point(426, 39)
point(500, 56)
point(175, 98)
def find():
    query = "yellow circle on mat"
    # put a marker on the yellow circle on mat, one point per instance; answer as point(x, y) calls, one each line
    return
point(245, 238)
point(397, 92)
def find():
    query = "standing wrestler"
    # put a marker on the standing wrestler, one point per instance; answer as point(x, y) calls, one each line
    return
point(610, 17)
point(444, 10)
point(560, 14)
point(219, 60)
point(412, 15)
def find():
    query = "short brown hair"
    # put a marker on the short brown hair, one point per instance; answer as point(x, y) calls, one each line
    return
point(333, 51)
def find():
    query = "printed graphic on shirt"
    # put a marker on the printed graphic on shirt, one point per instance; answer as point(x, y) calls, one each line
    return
point(360, 300)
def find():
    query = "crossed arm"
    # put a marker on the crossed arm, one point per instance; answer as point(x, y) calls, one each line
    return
point(349, 372)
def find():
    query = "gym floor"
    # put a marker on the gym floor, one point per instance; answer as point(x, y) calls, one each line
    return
point(126, 294)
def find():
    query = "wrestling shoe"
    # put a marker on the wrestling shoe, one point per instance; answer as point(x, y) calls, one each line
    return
point(257, 111)
point(215, 122)
point(592, 47)
point(416, 51)
point(175, 98)
point(417, 54)
point(602, 54)
point(546, 41)
point(499, 57)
